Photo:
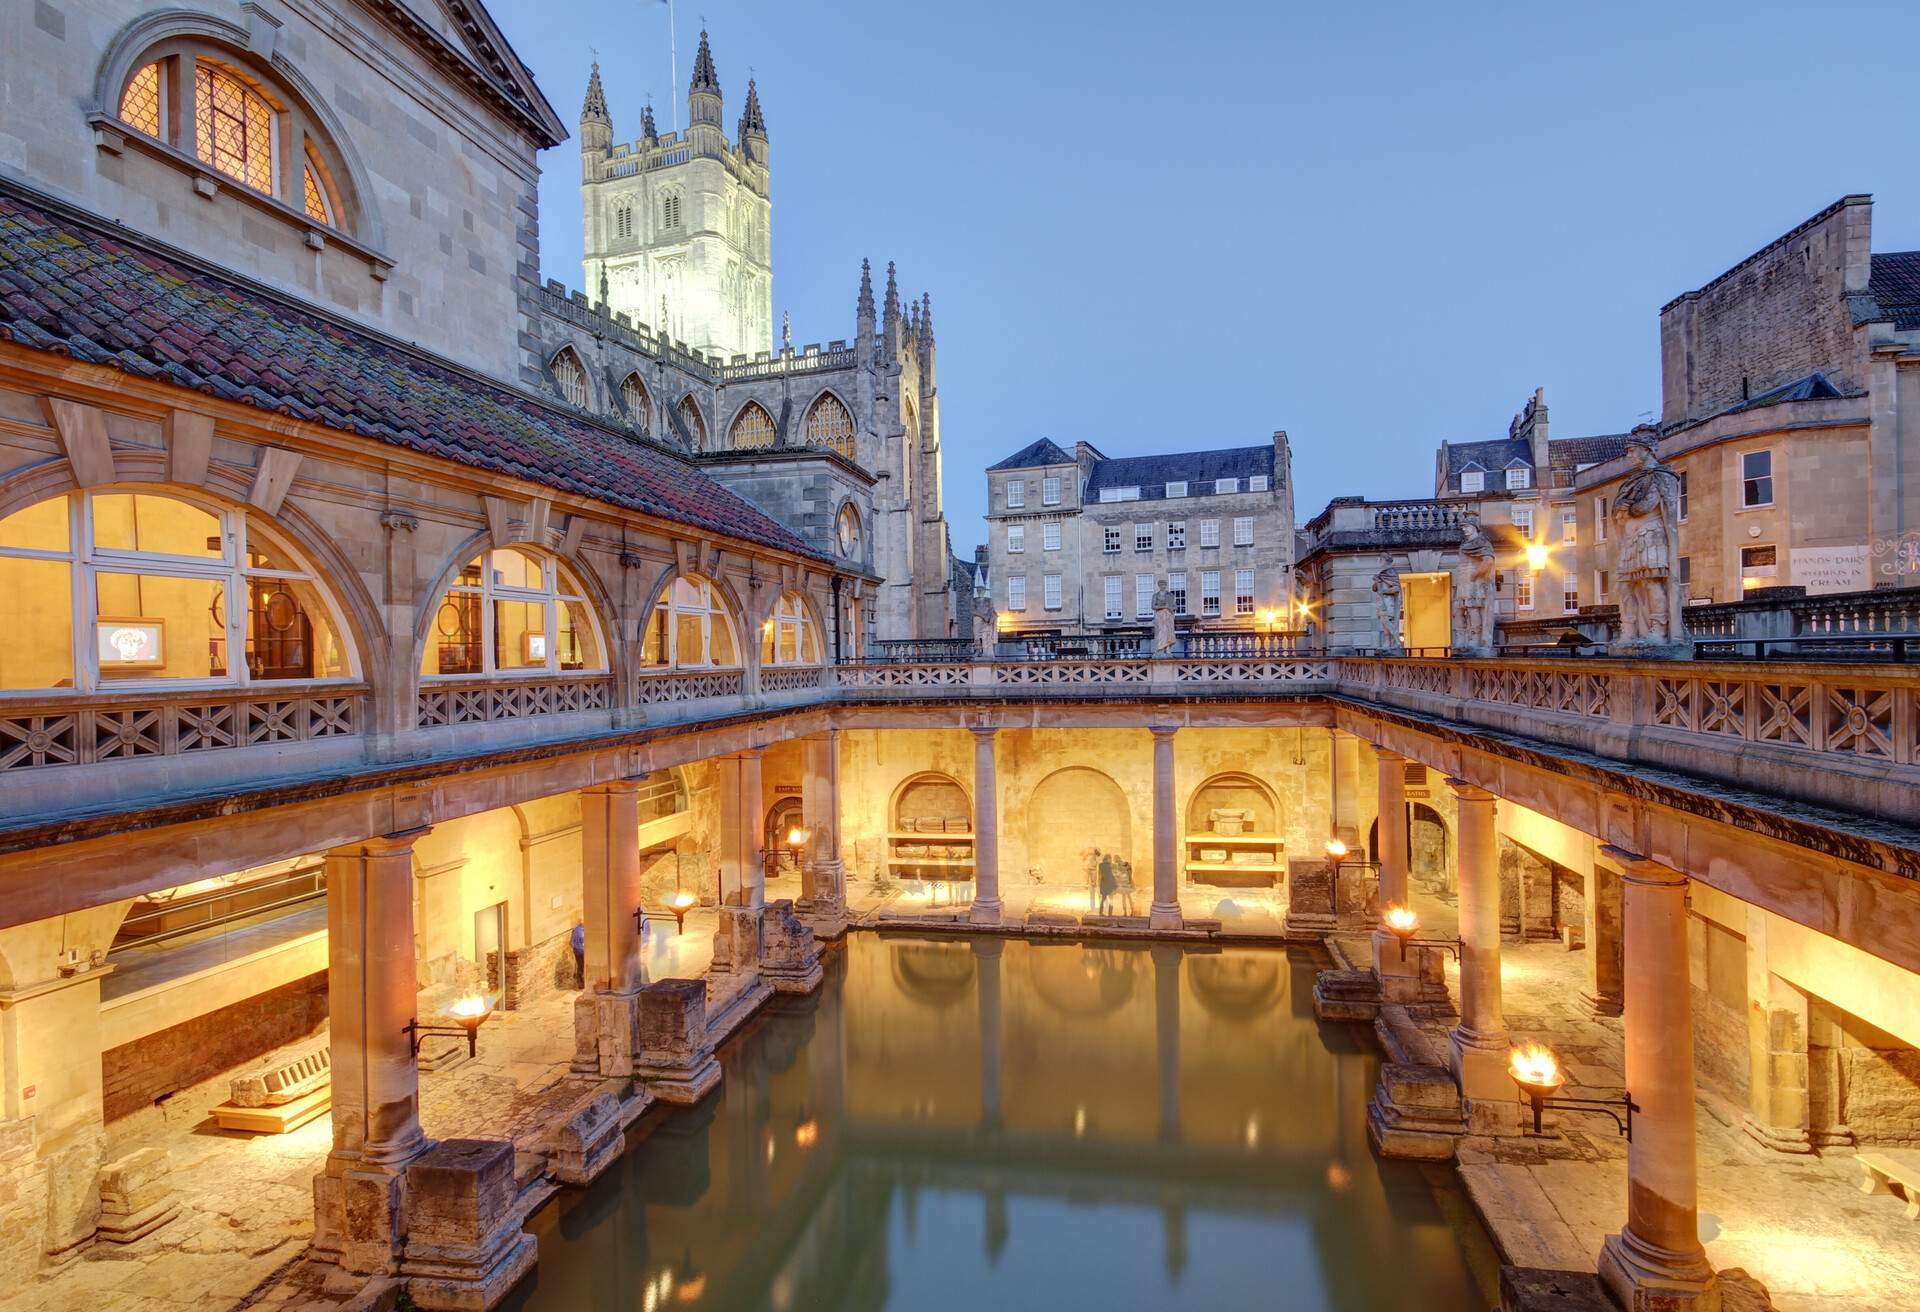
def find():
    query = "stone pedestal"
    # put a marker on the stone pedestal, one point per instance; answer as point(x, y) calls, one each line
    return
point(465, 1248)
point(672, 1051)
point(1656, 1262)
point(1310, 903)
point(588, 1140)
point(136, 1196)
point(736, 941)
point(603, 1027)
point(1415, 1113)
point(789, 958)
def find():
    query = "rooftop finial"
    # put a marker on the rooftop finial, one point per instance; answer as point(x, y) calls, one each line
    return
point(786, 330)
point(704, 78)
point(751, 121)
point(596, 104)
point(893, 295)
point(648, 132)
point(864, 307)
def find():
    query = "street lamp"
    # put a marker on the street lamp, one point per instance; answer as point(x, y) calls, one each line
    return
point(1537, 1071)
point(467, 1015)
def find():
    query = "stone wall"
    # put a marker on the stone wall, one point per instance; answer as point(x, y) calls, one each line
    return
point(1777, 316)
point(136, 1074)
point(1880, 1085)
point(538, 971)
point(1718, 968)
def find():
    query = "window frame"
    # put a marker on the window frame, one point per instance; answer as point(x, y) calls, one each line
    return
point(1209, 534)
point(784, 620)
point(1519, 478)
point(1017, 592)
point(1050, 536)
point(1177, 588)
point(1223, 487)
point(713, 606)
point(1479, 483)
point(1686, 496)
point(549, 595)
point(1177, 528)
point(1523, 590)
point(1599, 519)
point(1243, 592)
point(1209, 592)
point(1016, 539)
point(1243, 530)
point(1177, 488)
point(1109, 539)
point(576, 374)
point(1258, 483)
point(1050, 490)
point(1113, 596)
point(1143, 596)
point(1051, 591)
point(1014, 494)
point(85, 561)
point(1749, 480)
point(1143, 537)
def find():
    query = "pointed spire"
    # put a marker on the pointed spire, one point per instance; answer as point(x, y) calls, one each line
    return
point(751, 121)
point(704, 78)
point(863, 308)
point(893, 295)
point(926, 318)
point(648, 132)
point(786, 330)
point(595, 108)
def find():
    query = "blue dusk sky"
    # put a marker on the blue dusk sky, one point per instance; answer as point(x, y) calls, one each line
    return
point(1177, 226)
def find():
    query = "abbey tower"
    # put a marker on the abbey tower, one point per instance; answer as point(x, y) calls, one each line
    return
point(679, 227)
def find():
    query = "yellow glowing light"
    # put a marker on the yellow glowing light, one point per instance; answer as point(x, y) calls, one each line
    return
point(691, 1289)
point(1079, 1120)
point(1336, 848)
point(1537, 554)
point(471, 1011)
point(682, 900)
point(807, 1133)
point(797, 836)
point(1339, 1178)
point(1534, 1068)
point(1252, 1134)
point(1400, 921)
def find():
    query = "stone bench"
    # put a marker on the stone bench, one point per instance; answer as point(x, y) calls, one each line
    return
point(283, 1095)
point(1891, 1167)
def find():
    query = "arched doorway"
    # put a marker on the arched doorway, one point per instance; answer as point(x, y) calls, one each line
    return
point(1428, 844)
point(1079, 831)
point(783, 817)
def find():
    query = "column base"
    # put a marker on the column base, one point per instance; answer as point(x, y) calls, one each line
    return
point(1781, 1139)
point(985, 912)
point(465, 1249)
point(828, 919)
point(603, 1033)
point(359, 1215)
point(1415, 1113)
point(673, 1050)
point(789, 959)
point(1165, 915)
point(1603, 1004)
point(1646, 1278)
point(1479, 1064)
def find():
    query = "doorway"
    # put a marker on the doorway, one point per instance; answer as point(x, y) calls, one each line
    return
point(1426, 623)
point(490, 941)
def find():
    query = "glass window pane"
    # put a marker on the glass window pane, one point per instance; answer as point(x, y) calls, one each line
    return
point(288, 632)
point(520, 637)
point(689, 649)
point(469, 576)
point(789, 643)
point(132, 521)
point(579, 649)
point(809, 646)
point(453, 643)
point(40, 527)
point(514, 568)
point(723, 648)
point(653, 648)
point(152, 626)
point(36, 597)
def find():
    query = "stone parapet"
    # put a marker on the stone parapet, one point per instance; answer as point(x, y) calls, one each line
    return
point(789, 958)
point(672, 1049)
point(465, 1206)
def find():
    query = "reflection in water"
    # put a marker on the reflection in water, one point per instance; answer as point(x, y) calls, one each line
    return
point(1022, 1125)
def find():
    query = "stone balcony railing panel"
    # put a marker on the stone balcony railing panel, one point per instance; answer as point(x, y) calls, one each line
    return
point(479, 701)
point(792, 678)
point(688, 686)
point(82, 730)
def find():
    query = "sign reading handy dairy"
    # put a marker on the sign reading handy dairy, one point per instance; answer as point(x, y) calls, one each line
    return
point(1831, 569)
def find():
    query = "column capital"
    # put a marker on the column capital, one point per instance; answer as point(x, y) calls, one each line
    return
point(1638, 869)
point(1163, 730)
point(1387, 753)
point(983, 731)
point(1468, 792)
point(393, 844)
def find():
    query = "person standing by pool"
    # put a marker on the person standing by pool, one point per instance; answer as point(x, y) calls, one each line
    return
point(1123, 884)
point(1107, 884)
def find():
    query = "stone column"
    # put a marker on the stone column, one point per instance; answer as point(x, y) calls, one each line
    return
point(603, 1014)
point(1166, 1034)
point(359, 1196)
point(1656, 1263)
point(1606, 969)
point(986, 958)
point(986, 830)
point(1390, 850)
point(1479, 1043)
point(743, 866)
point(1778, 1087)
point(1165, 913)
point(823, 875)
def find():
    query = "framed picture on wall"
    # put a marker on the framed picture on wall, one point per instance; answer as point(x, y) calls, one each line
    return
point(533, 647)
point(130, 642)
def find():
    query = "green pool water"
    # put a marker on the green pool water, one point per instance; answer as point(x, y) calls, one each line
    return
point(1000, 1124)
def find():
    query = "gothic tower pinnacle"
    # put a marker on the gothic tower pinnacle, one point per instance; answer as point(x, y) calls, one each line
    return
point(752, 133)
point(890, 321)
point(596, 125)
point(703, 94)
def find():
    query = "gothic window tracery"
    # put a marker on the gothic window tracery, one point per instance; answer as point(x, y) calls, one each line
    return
point(752, 427)
point(633, 395)
point(571, 375)
point(830, 426)
point(696, 426)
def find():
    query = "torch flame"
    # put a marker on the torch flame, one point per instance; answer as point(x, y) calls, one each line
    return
point(682, 900)
point(807, 1133)
point(471, 1010)
point(1533, 1065)
point(1336, 848)
point(1401, 920)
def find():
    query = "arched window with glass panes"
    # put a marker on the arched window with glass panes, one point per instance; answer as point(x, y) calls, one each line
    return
point(235, 118)
point(691, 627)
point(513, 611)
point(634, 400)
point(696, 426)
point(752, 427)
point(788, 637)
point(830, 426)
point(115, 588)
point(571, 375)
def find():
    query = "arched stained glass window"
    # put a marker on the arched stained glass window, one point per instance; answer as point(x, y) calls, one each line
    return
point(830, 426)
point(233, 126)
point(572, 377)
point(633, 396)
point(752, 427)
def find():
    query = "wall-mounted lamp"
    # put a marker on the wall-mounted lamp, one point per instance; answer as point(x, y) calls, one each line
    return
point(1538, 1073)
point(1403, 924)
point(1335, 849)
point(681, 903)
point(468, 1015)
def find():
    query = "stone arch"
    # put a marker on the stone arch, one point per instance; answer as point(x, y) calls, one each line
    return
point(693, 421)
point(752, 428)
point(171, 31)
point(1076, 819)
point(928, 794)
point(1094, 983)
point(599, 602)
point(363, 627)
point(732, 603)
point(853, 546)
point(1235, 790)
point(570, 377)
point(636, 400)
point(1429, 843)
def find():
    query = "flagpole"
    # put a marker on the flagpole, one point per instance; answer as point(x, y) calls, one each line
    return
point(673, 67)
